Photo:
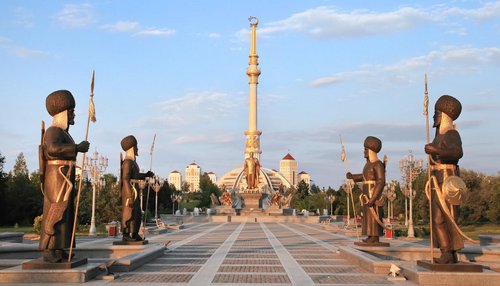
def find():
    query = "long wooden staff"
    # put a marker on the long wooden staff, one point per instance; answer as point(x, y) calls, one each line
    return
point(349, 188)
point(92, 118)
point(149, 188)
point(428, 139)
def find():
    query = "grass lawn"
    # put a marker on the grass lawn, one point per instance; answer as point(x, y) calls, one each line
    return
point(82, 230)
point(473, 231)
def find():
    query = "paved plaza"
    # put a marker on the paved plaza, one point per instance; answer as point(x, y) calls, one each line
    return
point(250, 254)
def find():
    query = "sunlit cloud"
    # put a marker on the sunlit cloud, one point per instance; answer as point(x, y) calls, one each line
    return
point(75, 16)
point(326, 23)
point(454, 58)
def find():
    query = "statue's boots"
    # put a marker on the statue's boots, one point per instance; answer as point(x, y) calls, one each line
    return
point(63, 254)
point(375, 239)
point(137, 237)
point(126, 236)
point(367, 240)
point(447, 257)
point(49, 255)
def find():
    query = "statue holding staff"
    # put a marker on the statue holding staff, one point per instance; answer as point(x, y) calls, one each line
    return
point(129, 175)
point(373, 178)
point(58, 153)
point(444, 187)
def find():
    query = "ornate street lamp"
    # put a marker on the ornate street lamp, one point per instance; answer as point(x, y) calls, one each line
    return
point(331, 198)
point(390, 192)
point(142, 186)
point(96, 166)
point(410, 169)
point(347, 186)
point(172, 197)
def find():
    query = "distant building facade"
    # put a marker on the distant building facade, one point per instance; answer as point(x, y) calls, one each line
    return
point(175, 178)
point(192, 175)
point(289, 167)
point(303, 176)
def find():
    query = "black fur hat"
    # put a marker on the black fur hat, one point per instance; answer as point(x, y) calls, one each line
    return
point(59, 101)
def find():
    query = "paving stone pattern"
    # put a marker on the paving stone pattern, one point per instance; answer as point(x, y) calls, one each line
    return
point(251, 253)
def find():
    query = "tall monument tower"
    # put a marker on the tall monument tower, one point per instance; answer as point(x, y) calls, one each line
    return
point(253, 72)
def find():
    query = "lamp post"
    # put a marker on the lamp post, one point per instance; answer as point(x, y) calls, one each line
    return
point(157, 186)
point(95, 166)
point(410, 169)
point(331, 198)
point(178, 199)
point(390, 190)
point(172, 197)
point(347, 186)
point(142, 186)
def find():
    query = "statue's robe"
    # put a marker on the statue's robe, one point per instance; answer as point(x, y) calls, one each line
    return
point(445, 235)
point(59, 154)
point(130, 191)
point(373, 178)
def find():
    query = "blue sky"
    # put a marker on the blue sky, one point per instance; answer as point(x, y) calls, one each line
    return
point(177, 69)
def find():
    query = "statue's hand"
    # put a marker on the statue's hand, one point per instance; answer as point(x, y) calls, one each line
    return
point(83, 147)
point(431, 149)
point(129, 202)
point(150, 174)
point(370, 204)
point(349, 175)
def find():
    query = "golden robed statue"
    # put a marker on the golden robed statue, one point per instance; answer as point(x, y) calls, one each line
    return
point(252, 170)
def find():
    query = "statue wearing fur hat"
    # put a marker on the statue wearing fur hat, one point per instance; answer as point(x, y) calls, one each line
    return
point(130, 190)
point(373, 178)
point(445, 151)
point(58, 154)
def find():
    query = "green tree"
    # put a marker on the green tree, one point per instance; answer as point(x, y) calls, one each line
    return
point(3, 189)
point(22, 195)
point(207, 188)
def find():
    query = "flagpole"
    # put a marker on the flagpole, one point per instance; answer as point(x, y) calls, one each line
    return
point(426, 114)
point(149, 188)
point(91, 116)
point(344, 159)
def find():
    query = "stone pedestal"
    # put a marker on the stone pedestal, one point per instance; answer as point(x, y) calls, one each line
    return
point(372, 244)
point(225, 210)
point(456, 267)
point(251, 200)
point(274, 210)
point(39, 263)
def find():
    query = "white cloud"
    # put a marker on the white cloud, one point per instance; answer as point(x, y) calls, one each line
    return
point(460, 59)
point(28, 53)
point(136, 29)
point(75, 16)
point(24, 17)
point(121, 26)
point(214, 35)
point(487, 12)
point(155, 32)
point(4, 39)
point(323, 22)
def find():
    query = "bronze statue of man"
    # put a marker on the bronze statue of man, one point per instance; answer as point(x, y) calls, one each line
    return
point(58, 153)
point(373, 178)
point(131, 206)
point(252, 170)
point(445, 151)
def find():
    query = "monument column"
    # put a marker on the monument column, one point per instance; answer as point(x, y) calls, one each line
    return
point(253, 72)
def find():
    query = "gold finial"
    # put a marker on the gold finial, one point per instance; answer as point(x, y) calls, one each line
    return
point(253, 18)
